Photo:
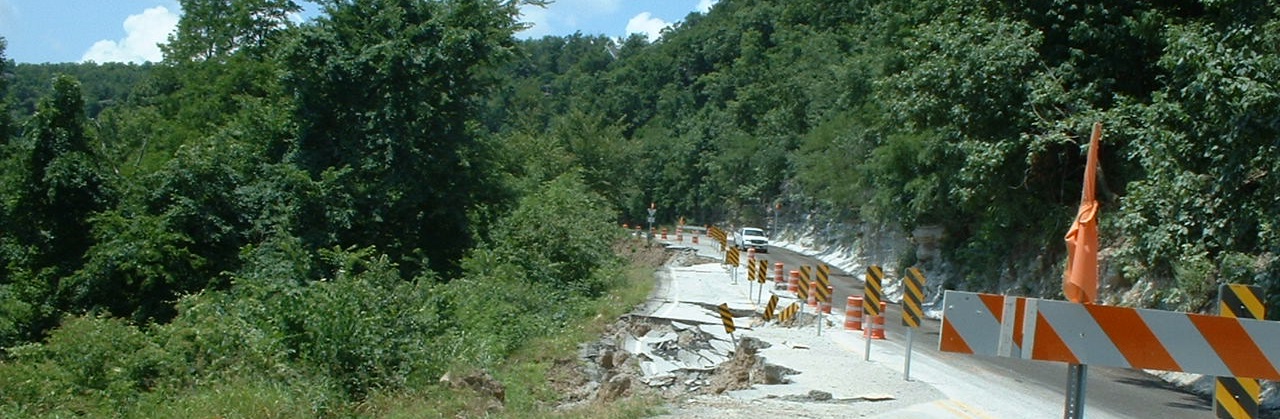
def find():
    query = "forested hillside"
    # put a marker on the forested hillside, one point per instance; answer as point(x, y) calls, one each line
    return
point(334, 213)
point(969, 116)
point(103, 85)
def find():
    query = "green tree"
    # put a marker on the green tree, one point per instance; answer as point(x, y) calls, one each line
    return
point(218, 29)
point(62, 185)
point(386, 93)
point(58, 188)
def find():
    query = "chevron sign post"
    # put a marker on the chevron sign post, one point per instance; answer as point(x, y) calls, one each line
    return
point(1086, 334)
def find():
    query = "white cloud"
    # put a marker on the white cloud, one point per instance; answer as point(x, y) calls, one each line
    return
point(705, 5)
point(143, 35)
point(537, 18)
point(564, 16)
point(647, 24)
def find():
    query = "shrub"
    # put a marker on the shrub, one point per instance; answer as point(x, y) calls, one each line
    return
point(89, 365)
point(558, 235)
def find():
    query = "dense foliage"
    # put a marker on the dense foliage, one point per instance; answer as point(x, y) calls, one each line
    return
point(310, 215)
point(968, 116)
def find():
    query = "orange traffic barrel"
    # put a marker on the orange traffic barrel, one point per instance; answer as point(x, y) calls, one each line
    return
point(825, 306)
point(877, 323)
point(793, 285)
point(853, 313)
point(813, 294)
point(777, 275)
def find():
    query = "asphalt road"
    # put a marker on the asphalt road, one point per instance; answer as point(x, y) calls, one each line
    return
point(1120, 391)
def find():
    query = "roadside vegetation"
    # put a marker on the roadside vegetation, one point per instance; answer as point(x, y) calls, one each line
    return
point(324, 218)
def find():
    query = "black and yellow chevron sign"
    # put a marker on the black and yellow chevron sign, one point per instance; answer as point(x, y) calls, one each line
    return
point(718, 234)
point(727, 318)
point(770, 307)
point(731, 257)
point(789, 314)
point(751, 270)
point(1233, 397)
point(912, 298)
point(824, 281)
point(802, 291)
point(824, 275)
point(871, 292)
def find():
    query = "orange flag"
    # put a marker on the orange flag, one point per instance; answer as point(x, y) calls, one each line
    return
point(1080, 283)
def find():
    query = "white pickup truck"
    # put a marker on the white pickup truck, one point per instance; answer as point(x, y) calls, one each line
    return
point(751, 238)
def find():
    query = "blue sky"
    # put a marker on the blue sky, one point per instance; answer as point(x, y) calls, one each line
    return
point(41, 31)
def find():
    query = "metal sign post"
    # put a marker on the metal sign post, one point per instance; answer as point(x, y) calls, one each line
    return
point(912, 311)
point(762, 276)
point(818, 314)
point(1075, 391)
point(653, 209)
point(906, 366)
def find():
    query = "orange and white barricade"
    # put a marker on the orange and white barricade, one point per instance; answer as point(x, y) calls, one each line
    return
point(853, 313)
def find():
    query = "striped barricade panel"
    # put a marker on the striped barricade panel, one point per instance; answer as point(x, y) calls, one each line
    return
point(1154, 339)
point(980, 324)
point(985, 324)
point(762, 271)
